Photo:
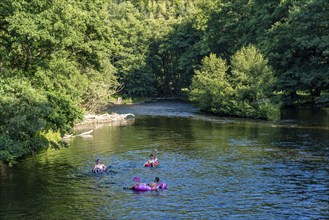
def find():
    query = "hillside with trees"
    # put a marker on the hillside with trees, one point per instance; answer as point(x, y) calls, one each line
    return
point(59, 59)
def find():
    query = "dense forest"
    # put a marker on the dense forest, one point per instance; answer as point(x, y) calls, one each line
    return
point(242, 58)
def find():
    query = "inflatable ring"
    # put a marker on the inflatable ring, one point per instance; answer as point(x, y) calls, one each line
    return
point(156, 163)
point(145, 187)
point(98, 170)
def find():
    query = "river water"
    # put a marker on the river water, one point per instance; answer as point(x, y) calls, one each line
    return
point(215, 168)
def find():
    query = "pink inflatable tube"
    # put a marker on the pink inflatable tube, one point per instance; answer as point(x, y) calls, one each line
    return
point(147, 164)
point(144, 187)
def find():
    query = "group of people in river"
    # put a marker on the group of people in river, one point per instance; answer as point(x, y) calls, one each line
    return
point(99, 167)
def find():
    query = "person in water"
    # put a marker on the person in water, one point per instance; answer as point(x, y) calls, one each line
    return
point(154, 184)
point(153, 158)
point(99, 167)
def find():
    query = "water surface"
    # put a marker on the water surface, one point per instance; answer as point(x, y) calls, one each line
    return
point(215, 168)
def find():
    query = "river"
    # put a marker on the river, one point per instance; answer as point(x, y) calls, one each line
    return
point(215, 168)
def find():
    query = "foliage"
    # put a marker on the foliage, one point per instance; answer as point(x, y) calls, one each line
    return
point(292, 34)
point(162, 47)
point(301, 55)
point(243, 91)
point(28, 116)
point(210, 88)
point(59, 58)
point(57, 44)
point(163, 9)
point(251, 76)
point(253, 81)
point(174, 55)
point(55, 59)
point(133, 34)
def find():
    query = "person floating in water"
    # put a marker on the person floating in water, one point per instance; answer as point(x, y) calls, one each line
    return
point(99, 167)
point(154, 184)
point(153, 161)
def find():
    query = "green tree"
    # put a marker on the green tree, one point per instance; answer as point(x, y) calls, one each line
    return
point(253, 81)
point(244, 90)
point(60, 43)
point(210, 87)
point(55, 59)
point(133, 33)
point(31, 120)
point(299, 48)
point(228, 27)
point(159, 59)
point(183, 52)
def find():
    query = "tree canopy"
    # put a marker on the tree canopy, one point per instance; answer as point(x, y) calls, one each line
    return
point(60, 58)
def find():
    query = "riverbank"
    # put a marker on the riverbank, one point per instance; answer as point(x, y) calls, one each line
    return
point(125, 100)
point(94, 121)
point(104, 118)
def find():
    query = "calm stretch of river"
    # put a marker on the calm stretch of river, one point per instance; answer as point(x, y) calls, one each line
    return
point(215, 168)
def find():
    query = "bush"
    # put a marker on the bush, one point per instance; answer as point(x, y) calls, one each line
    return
point(238, 92)
point(31, 119)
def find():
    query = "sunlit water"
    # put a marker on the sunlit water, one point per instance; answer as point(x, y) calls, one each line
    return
point(215, 168)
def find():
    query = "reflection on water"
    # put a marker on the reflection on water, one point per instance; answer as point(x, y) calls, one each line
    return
point(217, 168)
